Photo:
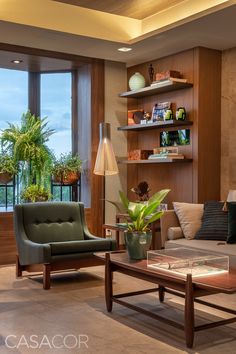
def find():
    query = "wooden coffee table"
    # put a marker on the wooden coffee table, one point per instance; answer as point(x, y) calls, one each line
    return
point(191, 289)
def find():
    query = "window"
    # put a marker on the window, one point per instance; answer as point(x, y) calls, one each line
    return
point(13, 102)
point(56, 105)
point(55, 98)
point(13, 98)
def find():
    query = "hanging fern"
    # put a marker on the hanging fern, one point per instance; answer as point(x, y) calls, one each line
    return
point(27, 143)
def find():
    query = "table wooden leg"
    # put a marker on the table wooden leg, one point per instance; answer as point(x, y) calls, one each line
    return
point(108, 283)
point(117, 233)
point(189, 312)
point(161, 293)
point(118, 240)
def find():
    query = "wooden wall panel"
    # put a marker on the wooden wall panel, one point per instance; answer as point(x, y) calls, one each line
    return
point(228, 122)
point(209, 123)
point(7, 239)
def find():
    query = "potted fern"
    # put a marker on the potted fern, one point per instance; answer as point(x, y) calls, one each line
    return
point(8, 168)
point(66, 169)
point(34, 193)
point(138, 236)
point(27, 143)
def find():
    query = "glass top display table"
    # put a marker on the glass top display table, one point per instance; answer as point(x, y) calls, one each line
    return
point(183, 261)
point(171, 279)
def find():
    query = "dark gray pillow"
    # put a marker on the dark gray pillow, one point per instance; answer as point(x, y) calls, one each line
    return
point(231, 222)
point(214, 222)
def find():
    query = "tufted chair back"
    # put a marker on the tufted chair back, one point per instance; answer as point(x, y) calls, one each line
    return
point(53, 221)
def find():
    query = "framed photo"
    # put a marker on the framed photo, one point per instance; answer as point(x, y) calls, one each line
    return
point(159, 110)
point(163, 207)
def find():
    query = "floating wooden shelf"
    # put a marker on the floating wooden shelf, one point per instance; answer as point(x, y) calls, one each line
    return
point(158, 125)
point(153, 161)
point(153, 90)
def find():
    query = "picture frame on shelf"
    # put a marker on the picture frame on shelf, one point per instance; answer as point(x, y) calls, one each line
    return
point(163, 207)
point(160, 110)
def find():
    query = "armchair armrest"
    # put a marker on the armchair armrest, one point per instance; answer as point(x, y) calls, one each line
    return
point(29, 252)
point(89, 236)
point(34, 253)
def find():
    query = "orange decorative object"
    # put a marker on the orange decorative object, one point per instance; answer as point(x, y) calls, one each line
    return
point(165, 75)
point(139, 154)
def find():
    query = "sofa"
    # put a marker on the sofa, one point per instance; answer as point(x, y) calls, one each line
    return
point(53, 236)
point(172, 236)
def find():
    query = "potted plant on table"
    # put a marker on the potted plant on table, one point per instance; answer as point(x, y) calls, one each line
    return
point(66, 169)
point(138, 236)
point(8, 168)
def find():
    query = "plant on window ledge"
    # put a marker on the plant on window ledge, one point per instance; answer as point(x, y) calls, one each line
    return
point(34, 193)
point(8, 168)
point(66, 169)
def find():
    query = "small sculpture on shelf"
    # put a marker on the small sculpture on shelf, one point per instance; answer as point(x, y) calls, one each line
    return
point(151, 73)
point(180, 113)
point(142, 191)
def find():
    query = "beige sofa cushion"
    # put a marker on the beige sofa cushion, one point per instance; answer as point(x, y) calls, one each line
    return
point(190, 216)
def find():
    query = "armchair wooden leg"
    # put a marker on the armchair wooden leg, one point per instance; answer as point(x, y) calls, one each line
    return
point(46, 276)
point(18, 268)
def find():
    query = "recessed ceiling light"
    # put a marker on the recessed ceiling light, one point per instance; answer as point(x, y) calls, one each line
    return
point(17, 61)
point(125, 49)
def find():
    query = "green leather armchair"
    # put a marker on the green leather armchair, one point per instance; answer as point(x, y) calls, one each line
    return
point(54, 236)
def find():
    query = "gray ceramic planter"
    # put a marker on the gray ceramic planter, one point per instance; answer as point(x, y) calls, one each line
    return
point(138, 243)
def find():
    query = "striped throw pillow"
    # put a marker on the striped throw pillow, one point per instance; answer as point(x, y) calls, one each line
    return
point(214, 222)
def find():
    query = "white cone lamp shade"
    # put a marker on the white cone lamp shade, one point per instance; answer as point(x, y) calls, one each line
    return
point(105, 164)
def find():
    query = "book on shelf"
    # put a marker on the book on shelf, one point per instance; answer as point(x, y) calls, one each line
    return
point(166, 156)
point(168, 81)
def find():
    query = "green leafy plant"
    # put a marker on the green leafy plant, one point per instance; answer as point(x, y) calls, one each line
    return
point(34, 193)
point(7, 164)
point(141, 215)
point(66, 165)
point(27, 144)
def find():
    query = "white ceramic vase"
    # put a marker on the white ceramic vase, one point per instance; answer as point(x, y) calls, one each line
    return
point(137, 81)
